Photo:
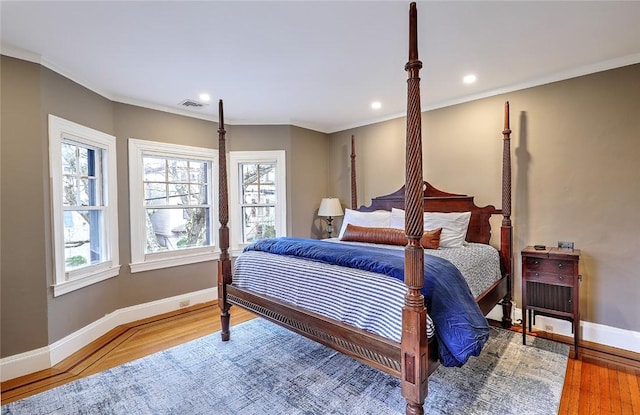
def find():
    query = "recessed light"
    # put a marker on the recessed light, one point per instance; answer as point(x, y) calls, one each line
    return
point(376, 105)
point(469, 79)
point(205, 97)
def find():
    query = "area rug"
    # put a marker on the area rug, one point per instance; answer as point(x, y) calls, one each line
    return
point(266, 369)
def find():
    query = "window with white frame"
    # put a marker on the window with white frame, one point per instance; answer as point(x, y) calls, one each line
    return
point(82, 164)
point(172, 204)
point(257, 204)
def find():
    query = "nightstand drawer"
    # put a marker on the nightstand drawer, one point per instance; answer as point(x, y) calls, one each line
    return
point(556, 266)
point(549, 278)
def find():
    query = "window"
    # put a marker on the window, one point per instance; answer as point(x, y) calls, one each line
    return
point(84, 205)
point(257, 196)
point(172, 204)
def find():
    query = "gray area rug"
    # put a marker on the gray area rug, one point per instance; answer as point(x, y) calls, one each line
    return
point(266, 369)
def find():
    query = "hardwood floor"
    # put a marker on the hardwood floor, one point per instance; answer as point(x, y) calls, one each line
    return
point(602, 381)
point(124, 344)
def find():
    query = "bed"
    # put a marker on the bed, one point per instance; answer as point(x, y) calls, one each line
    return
point(409, 353)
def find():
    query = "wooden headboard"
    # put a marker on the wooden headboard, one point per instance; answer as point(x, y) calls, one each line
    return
point(436, 200)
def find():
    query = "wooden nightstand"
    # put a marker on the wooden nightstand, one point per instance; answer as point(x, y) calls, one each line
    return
point(550, 287)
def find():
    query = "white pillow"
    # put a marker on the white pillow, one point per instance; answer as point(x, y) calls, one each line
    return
point(375, 219)
point(454, 225)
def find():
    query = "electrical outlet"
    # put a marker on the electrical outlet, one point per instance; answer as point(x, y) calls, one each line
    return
point(548, 328)
point(184, 303)
point(565, 245)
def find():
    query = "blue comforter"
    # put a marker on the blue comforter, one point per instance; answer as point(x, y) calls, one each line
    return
point(461, 329)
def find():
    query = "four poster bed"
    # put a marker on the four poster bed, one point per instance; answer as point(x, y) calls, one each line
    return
point(404, 344)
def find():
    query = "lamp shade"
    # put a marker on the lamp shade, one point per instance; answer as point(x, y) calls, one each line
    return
point(330, 206)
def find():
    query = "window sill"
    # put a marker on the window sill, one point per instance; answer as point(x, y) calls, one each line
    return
point(235, 252)
point(158, 263)
point(75, 284)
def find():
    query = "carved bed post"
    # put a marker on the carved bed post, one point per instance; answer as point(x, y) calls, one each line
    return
point(224, 264)
point(354, 189)
point(506, 243)
point(414, 346)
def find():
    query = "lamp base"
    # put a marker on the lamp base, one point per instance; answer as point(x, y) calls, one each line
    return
point(329, 226)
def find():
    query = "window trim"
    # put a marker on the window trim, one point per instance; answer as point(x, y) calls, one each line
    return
point(65, 282)
point(269, 156)
point(140, 261)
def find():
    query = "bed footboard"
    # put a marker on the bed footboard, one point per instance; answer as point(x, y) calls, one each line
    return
point(336, 338)
point(415, 357)
point(371, 349)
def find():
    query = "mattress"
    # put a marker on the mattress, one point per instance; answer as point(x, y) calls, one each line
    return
point(363, 299)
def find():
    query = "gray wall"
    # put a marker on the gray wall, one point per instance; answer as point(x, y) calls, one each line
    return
point(575, 177)
point(22, 217)
point(307, 175)
point(145, 124)
point(306, 152)
point(30, 316)
point(66, 99)
point(576, 174)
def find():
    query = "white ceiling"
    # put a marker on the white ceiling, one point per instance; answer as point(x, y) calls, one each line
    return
point(315, 64)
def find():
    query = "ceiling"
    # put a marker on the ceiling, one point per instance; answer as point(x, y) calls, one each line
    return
point(315, 64)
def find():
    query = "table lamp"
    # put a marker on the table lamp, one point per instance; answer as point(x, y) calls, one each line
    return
point(329, 208)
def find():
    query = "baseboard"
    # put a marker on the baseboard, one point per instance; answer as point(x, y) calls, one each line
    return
point(45, 357)
point(591, 332)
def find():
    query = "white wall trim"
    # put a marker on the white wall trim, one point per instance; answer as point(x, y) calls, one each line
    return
point(46, 357)
point(24, 363)
point(140, 260)
point(63, 131)
point(591, 332)
point(279, 158)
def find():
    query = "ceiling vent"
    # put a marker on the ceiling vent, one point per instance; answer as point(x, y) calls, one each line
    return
point(189, 103)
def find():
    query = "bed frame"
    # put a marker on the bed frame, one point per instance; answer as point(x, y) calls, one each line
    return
point(415, 357)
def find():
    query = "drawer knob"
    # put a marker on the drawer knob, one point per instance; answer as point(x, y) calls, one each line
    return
point(560, 265)
point(537, 274)
point(536, 262)
point(561, 277)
